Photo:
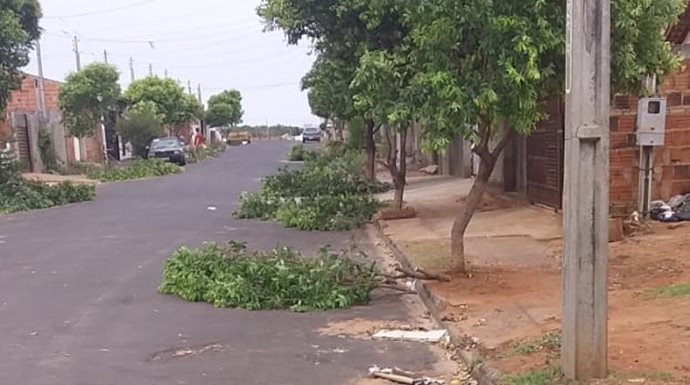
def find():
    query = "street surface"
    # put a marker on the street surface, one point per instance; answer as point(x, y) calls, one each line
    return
point(79, 306)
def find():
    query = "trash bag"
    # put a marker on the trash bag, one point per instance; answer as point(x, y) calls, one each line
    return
point(683, 212)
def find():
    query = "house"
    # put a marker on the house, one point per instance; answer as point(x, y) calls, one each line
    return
point(22, 120)
point(534, 165)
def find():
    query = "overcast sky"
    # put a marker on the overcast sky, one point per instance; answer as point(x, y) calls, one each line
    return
point(216, 43)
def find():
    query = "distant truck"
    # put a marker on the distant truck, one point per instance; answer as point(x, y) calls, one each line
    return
point(238, 138)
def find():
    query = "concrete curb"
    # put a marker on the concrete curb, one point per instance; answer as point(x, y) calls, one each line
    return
point(472, 359)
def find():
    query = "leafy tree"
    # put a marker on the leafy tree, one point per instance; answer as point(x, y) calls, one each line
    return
point(19, 31)
point(87, 96)
point(175, 106)
point(488, 65)
point(472, 68)
point(139, 125)
point(225, 109)
point(343, 30)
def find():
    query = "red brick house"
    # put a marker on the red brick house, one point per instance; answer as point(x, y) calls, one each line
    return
point(19, 126)
point(539, 157)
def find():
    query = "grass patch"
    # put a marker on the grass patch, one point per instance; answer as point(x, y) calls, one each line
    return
point(138, 169)
point(548, 376)
point(671, 291)
point(233, 277)
point(549, 342)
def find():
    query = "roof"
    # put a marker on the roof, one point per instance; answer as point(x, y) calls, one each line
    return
point(28, 75)
point(679, 32)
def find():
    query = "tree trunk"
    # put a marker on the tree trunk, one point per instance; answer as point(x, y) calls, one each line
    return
point(397, 171)
point(370, 149)
point(486, 167)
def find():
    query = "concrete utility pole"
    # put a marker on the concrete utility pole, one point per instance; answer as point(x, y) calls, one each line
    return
point(105, 56)
point(585, 226)
point(76, 52)
point(131, 69)
point(41, 83)
point(150, 69)
point(198, 91)
point(189, 86)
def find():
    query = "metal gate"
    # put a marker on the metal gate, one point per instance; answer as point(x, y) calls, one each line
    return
point(545, 159)
point(21, 128)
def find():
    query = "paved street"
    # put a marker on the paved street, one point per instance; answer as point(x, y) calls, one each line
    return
point(78, 300)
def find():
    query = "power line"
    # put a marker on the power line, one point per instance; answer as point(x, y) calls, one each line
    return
point(103, 11)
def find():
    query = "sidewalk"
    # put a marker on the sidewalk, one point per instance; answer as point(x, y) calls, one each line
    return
point(510, 305)
point(52, 179)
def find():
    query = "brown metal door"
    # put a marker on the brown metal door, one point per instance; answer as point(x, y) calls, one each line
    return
point(23, 143)
point(545, 159)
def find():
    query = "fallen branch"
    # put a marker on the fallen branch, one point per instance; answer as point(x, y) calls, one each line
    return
point(421, 274)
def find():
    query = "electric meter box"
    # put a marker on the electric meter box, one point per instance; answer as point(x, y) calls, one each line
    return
point(651, 121)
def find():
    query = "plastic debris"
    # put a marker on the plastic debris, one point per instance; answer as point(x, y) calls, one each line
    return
point(432, 336)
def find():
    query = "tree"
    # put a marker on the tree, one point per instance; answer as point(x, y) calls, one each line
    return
point(175, 106)
point(19, 31)
point(488, 65)
point(87, 97)
point(225, 109)
point(139, 125)
point(383, 91)
point(343, 30)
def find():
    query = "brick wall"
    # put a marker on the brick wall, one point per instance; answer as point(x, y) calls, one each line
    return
point(671, 162)
point(25, 100)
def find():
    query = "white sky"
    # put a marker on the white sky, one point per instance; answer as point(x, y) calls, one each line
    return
point(216, 43)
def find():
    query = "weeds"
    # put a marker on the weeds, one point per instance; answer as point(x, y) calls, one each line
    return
point(672, 291)
point(548, 376)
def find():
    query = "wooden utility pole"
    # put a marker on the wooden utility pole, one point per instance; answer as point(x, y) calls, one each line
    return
point(586, 214)
point(105, 56)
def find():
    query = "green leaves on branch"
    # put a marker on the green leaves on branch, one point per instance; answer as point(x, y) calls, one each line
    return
point(176, 107)
point(138, 169)
point(233, 277)
point(225, 109)
point(87, 97)
point(18, 194)
point(139, 125)
point(327, 194)
point(19, 31)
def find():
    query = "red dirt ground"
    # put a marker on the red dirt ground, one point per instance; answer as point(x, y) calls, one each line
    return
point(501, 307)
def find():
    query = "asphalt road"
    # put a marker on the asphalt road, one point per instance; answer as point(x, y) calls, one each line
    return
point(79, 306)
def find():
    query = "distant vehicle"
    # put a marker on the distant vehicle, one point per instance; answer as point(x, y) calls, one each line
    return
point(168, 149)
point(235, 138)
point(311, 134)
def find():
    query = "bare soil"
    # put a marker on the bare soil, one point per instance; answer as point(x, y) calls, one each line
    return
point(648, 338)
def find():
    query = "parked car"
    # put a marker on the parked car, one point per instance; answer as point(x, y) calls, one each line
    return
point(168, 149)
point(311, 134)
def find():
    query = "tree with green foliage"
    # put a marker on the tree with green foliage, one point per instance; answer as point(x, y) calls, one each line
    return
point(475, 69)
point(225, 109)
point(172, 102)
point(488, 65)
point(140, 124)
point(342, 31)
point(87, 97)
point(19, 31)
